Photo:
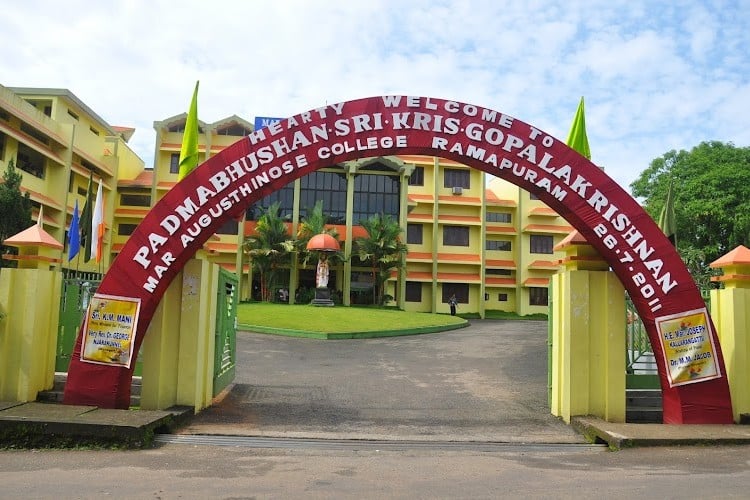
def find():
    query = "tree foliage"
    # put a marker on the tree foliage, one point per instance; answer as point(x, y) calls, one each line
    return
point(15, 208)
point(382, 249)
point(315, 223)
point(712, 200)
point(269, 248)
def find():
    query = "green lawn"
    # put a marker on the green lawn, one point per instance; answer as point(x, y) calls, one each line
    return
point(338, 319)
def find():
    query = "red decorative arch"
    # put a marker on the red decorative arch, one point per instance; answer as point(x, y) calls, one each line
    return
point(498, 144)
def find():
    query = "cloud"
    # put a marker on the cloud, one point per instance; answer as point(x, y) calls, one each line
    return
point(655, 76)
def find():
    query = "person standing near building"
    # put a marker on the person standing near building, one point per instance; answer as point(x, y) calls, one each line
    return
point(453, 303)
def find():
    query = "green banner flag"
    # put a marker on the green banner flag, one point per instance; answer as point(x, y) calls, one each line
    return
point(577, 137)
point(85, 222)
point(189, 149)
point(667, 221)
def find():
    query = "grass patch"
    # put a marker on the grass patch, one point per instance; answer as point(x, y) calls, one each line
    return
point(338, 319)
point(510, 315)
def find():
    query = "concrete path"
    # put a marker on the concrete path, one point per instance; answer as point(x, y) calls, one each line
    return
point(487, 382)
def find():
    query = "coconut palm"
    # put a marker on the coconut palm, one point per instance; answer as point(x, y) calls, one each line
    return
point(269, 247)
point(312, 224)
point(382, 249)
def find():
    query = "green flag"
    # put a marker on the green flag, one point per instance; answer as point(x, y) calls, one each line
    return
point(667, 222)
point(577, 137)
point(85, 223)
point(189, 149)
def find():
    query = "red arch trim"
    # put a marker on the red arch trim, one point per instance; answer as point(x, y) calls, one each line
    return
point(496, 143)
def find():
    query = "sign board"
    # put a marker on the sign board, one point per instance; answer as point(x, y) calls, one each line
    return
point(109, 330)
point(688, 346)
point(265, 121)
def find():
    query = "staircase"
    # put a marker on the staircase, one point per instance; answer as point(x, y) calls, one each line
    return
point(643, 406)
point(643, 403)
point(55, 395)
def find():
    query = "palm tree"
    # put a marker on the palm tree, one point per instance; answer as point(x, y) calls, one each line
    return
point(314, 223)
point(382, 248)
point(269, 247)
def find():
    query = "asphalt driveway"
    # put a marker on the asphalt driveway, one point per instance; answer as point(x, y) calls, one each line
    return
point(487, 382)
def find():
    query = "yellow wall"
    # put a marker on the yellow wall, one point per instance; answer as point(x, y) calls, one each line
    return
point(729, 311)
point(179, 354)
point(588, 368)
point(29, 299)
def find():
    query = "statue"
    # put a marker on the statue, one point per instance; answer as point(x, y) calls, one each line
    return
point(321, 274)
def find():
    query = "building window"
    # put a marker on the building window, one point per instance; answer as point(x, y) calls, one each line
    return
point(36, 134)
point(502, 297)
point(234, 130)
point(2, 146)
point(126, 229)
point(499, 272)
point(375, 194)
point(285, 198)
point(414, 234)
point(30, 161)
point(497, 217)
point(460, 290)
point(538, 296)
point(135, 200)
point(486, 297)
point(180, 128)
point(174, 163)
point(541, 243)
point(417, 177)
point(328, 187)
point(73, 115)
point(230, 226)
point(453, 177)
point(456, 236)
point(94, 131)
point(500, 245)
point(413, 291)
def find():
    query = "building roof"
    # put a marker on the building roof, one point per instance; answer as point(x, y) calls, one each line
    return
point(125, 132)
point(144, 179)
point(66, 94)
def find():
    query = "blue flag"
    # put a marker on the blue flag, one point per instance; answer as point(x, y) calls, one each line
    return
point(74, 235)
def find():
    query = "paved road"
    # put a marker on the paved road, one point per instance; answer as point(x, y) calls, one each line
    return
point(201, 472)
point(487, 382)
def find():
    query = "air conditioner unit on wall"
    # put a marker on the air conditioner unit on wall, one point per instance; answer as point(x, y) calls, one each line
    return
point(458, 190)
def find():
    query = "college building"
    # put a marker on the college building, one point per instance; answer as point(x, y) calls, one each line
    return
point(482, 239)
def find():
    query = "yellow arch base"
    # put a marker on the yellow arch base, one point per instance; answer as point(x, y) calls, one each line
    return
point(588, 338)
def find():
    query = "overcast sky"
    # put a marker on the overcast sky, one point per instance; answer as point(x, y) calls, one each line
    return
point(655, 75)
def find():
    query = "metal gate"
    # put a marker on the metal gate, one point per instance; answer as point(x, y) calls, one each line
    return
point(641, 370)
point(225, 354)
point(77, 290)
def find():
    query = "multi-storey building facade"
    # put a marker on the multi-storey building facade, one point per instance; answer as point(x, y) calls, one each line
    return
point(58, 144)
point(487, 242)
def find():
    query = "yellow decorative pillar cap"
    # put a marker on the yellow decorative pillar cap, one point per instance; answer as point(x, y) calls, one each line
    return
point(580, 255)
point(736, 267)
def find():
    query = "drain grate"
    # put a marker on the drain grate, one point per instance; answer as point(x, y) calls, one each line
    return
point(371, 445)
point(288, 394)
